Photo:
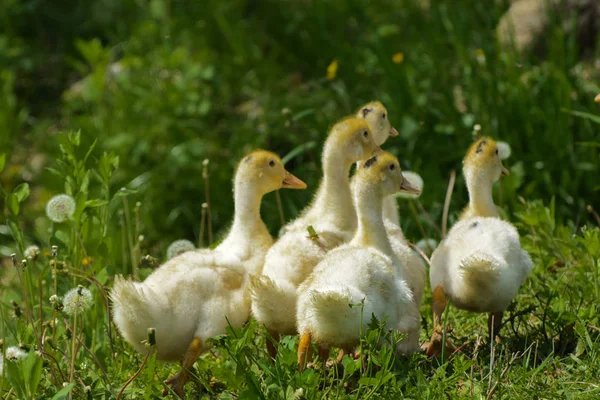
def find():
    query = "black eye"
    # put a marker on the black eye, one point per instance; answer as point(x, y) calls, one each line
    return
point(383, 116)
point(496, 151)
point(392, 167)
point(366, 134)
point(271, 163)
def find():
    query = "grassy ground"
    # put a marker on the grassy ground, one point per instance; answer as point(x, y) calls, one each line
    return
point(154, 88)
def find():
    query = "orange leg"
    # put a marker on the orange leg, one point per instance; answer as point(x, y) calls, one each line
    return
point(304, 351)
point(434, 347)
point(272, 343)
point(177, 382)
point(494, 322)
point(340, 356)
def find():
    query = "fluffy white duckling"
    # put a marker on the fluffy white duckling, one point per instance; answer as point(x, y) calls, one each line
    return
point(366, 268)
point(413, 264)
point(187, 299)
point(480, 265)
point(331, 214)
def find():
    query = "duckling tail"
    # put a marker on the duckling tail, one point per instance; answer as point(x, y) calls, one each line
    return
point(274, 303)
point(332, 309)
point(130, 310)
point(480, 269)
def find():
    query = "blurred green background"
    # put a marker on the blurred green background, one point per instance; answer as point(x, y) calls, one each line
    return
point(165, 84)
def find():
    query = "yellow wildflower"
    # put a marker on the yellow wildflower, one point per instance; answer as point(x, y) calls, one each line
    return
point(332, 70)
point(597, 98)
point(398, 58)
point(86, 261)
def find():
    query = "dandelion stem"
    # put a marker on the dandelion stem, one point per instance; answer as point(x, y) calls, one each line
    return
point(135, 375)
point(134, 267)
point(280, 208)
point(73, 335)
point(447, 203)
point(206, 177)
point(428, 217)
point(202, 223)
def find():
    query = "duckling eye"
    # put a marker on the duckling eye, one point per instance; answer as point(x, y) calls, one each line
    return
point(392, 167)
point(271, 163)
point(366, 134)
point(496, 151)
point(383, 116)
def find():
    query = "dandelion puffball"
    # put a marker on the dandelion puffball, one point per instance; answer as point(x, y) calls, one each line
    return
point(178, 247)
point(32, 252)
point(14, 353)
point(427, 246)
point(77, 300)
point(60, 208)
point(415, 180)
point(503, 150)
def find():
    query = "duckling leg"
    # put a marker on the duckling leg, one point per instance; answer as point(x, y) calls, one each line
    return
point(434, 347)
point(304, 351)
point(178, 381)
point(272, 343)
point(494, 322)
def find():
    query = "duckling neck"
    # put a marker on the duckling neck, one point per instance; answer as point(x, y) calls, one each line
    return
point(481, 202)
point(334, 199)
point(247, 220)
point(371, 231)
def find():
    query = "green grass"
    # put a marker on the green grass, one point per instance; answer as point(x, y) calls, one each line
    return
point(120, 104)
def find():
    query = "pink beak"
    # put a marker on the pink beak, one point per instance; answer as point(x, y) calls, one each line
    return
point(393, 132)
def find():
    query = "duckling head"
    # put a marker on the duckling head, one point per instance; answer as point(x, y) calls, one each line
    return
point(483, 160)
point(266, 173)
point(383, 171)
point(353, 138)
point(376, 116)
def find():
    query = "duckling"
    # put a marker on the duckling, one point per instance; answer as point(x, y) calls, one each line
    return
point(194, 295)
point(377, 117)
point(331, 214)
point(414, 267)
point(480, 265)
point(364, 269)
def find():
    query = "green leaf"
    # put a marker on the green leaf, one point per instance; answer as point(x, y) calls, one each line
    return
point(32, 372)
point(298, 150)
point(22, 192)
point(584, 115)
point(12, 202)
point(64, 392)
point(2, 161)
point(95, 203)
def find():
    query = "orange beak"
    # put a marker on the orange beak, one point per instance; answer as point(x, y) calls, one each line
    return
point(505, 172)
point(393, 132)
point(407, 187)
point(291, 182)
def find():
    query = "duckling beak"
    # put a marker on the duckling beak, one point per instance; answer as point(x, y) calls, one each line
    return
point(407, 187)
point(393, 132)
point(291, 182)
point(505, 172)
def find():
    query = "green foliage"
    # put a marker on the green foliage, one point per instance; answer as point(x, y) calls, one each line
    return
point(119, 106)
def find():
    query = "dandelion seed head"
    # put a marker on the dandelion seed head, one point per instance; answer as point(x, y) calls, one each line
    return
point(32, 252)
point(178, 247)
point(427, 245)
point(60, 208)
point(77, 300)
point(14, 353)
point(504, 150)
point(205, 162)
point(415, 180)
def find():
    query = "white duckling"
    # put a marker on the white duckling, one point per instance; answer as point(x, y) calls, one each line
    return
point(191, 297)
point(480, 265)
point(414, 268)
point(331, 214)
point(364, 269)
point(377, 117)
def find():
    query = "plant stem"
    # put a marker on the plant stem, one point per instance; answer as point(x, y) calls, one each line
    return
point(447, 203)
point(135, 375)
point(134, 267)
point(280, 208)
